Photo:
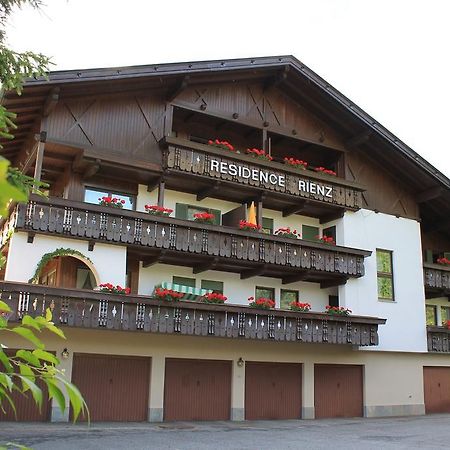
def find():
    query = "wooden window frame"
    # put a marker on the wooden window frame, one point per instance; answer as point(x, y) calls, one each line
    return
point(266, 288)
point(296, 291)
point(111, 193)
point(386, 274)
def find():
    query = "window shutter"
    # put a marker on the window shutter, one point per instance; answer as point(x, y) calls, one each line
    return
point(183, 281)
point(216, 286)
point(217, 215)
point(428, 255)
point(310, 233)
point(181, 211)
point(267, 225)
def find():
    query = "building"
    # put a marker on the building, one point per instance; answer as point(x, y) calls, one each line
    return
point(141, 135)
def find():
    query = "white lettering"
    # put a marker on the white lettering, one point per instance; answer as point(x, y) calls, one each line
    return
point(223, 167)
point(312, 188)
point(255, 174)
point(329, 191)
point(214, 165)
point(281, 180)
point(232, 168)
point(320, 189)
point(245, 172)
point(264, 176)
point(273, 178)
point(302, 185)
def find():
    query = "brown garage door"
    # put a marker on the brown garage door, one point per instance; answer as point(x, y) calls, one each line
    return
point(197, 390)
point(436, 382)
point(115, 388)
point(273, 391)
point(338, 390)
point(26, 409)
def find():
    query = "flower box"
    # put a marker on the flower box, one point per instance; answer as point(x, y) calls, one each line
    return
point(156, 210)
point(111, 289)
point(300, 307)
point(214, 297)
point(167, 295)
point(260, 154)
point(326, 240)
point(443, 261)
point(295, 163)
point(224, 145)
point(204, 217)
point(111, 202)
point(261, 303)
point(337, 311)
point(287, 233)
point(248, 226)
point(326, 171)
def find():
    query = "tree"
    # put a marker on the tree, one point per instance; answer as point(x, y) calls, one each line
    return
point(21, 371)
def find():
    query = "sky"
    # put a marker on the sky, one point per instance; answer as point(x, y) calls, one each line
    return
point(390, 57)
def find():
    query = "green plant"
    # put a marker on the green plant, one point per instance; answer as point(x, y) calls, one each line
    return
point(47, 257)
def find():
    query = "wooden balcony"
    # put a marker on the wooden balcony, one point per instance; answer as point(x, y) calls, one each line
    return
point(96, 310)
point(217, 173)
point(437, 280)
point(438, 339)
point(167, 240)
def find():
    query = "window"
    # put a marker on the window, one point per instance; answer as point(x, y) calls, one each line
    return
point(265, 292)
point(310, 233)
point(287, 296)
point(385, 275)
point(215, 286)
point(183, 281)
point(330, 232)
point(92, 196)
point(431, 313)
point(186, 212)
point(267, 225)
point(445, 315)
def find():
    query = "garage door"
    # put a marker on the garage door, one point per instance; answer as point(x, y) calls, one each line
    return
point(115, 388)
point(338, 390)
point(436, 382)
point(273, 391)
point(26, 409)
point(197, 390)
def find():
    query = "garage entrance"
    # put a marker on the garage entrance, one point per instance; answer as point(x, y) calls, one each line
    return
point(436, 381)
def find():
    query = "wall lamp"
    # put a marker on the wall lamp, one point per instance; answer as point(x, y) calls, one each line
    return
point(240, 362)
point(65, 353)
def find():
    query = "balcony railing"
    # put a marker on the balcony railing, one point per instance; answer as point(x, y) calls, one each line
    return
point(165, 239)
point(201, 160)
point(96, 310)
point(438, 339)
point(436, 279)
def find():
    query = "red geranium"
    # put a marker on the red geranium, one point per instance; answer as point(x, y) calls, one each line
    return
point(110, 201)
point(214, 297)
point(156, 210)
point(111, 289)
point(326, 171)
point(297, 163)
point(326, 239)
point(244, 225)
point(261, 303)
point(167, 294)
point(337, 311)
point(287, 233)
point(257, 153)
point(222, 144)
point(301, 307)
point(204, 217)
point(443, 261)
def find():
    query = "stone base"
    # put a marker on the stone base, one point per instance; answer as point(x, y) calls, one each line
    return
point(308, 412)
point(57, 416)
point(155, 414)
point(237, 414)
point(394, 410)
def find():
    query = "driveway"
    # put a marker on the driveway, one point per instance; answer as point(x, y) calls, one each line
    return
point(424, 432)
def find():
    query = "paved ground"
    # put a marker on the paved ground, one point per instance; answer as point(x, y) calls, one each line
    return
point(426, 432)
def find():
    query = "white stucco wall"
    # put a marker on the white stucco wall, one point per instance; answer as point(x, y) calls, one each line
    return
point(108, 260)
point(237, 290)
point(405, 329)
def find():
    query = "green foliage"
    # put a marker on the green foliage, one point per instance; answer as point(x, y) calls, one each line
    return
point(47, 257)
point(22, 371)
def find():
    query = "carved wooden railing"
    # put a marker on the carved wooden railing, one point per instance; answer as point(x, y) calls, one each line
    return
point(437, 278)
point(204, 160)
point(96, 310)
point(438, 339)
point(96, 223)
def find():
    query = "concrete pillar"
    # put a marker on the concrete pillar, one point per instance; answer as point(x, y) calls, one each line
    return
point(156, 401)
point(237, 391)
point(308, 391)
point(66, 365)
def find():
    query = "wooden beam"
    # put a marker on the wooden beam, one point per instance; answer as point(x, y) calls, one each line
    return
point(154, 259)
point(154, 184)
point(92, 169)
point(208, 191)
point(359, 139)
point(294, 209)
point(332, 216)
point(51, 101)
point(429, 194)
point(178, 89)
point(40, 150)
point(332, 283)
point(253, 272)
point(161, 190)
point(276, 80)
point(209, 265)
point(301, 276)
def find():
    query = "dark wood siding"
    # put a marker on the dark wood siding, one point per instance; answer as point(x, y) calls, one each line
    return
point(197, 390)
point(115, 388)
point(273, 391)
point(338, 390)
point(436, 382)
point(26, 409)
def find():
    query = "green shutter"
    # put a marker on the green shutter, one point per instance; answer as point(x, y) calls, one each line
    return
point(428, 256)
point(267, 225)
point(330, 232)
point(181, 211)
point(183, 281)
point(217, 215)
point(447, 255)
point(216, 286)
point(310, 233)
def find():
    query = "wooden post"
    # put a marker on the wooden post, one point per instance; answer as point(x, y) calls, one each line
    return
point(40, 150)
point(168, 120)
point(264, 140)
point(259, 211)
point(161, 193)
